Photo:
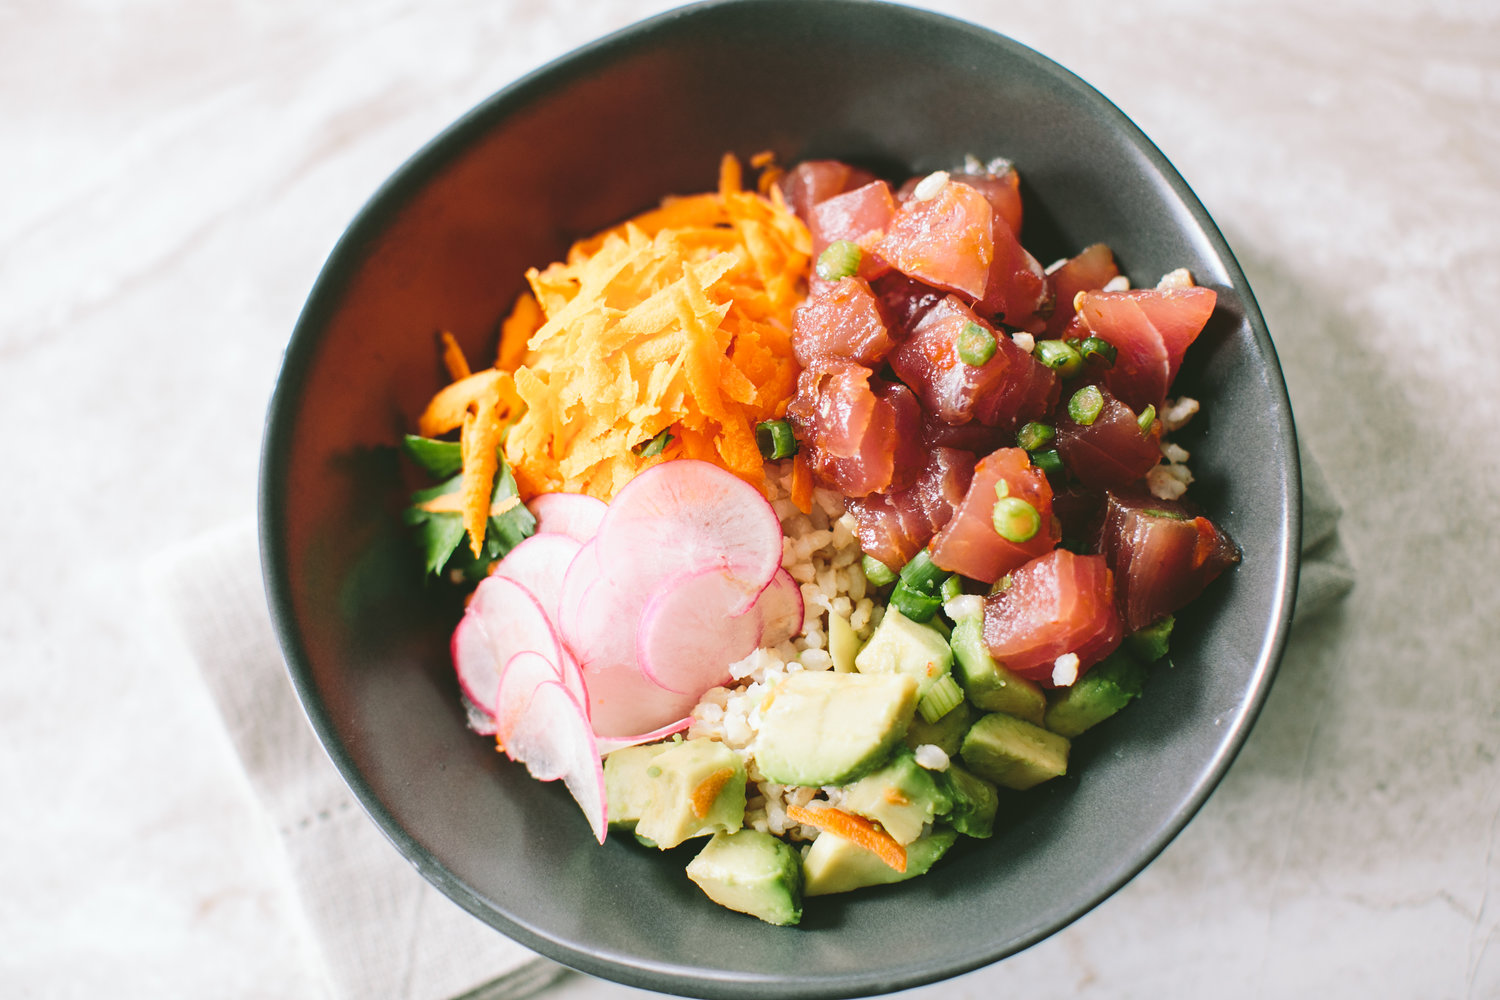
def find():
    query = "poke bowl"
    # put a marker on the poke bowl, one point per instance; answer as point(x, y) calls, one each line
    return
point(580, 145)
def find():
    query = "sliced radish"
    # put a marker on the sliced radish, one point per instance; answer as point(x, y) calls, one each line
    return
point(554, 740)
point(478, 669)
point(689, 635)
point(513, 620)
point(603, 622)
point(539, 564)
point(781, 609)
point(581, 576)
point(623, 702)
point(691, 514)
point(523, 674)
point(609, 744)
point(576, 515)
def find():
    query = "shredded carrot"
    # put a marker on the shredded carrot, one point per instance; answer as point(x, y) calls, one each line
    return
point(453, 358)
point(853, 828)
point(708, 790)
point(677, 320)
point(802, 484)
point(480, 441)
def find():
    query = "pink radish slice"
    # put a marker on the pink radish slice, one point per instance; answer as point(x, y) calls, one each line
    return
point(609, 744)
point(579, 579)
point(523, 674)
point(539, 564)
point(623, 703)
point(554, 740)
point(780, 608)
point(691, 514)
point(478, 670)
point(688, 634)
point(514, 622)
point(576, 515)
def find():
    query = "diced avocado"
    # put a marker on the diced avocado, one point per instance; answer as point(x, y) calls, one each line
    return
point(1013, 753)
point(627, 783)
point(1150, 643)
point(751, 872)
point(843, 642)
point(827, 728)
point(990, 685)
point(1097, 695)
point(834, 864)
point(902, 797)
point(697, 787)
point(974, 802)
point(900, 645)
point(947, 733)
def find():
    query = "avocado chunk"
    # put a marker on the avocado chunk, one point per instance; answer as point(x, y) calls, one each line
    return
point(990, 685)
point(901, 796)
point(1096, 695)
point(827, 728)
point(974, 802)
point(627, 785)
point(902, 646)
point(1013, 753)
point(947, 733)
point(834, 864)
point(843, 642)
point(696, 787)
point(751, 872)
point(1150, 643)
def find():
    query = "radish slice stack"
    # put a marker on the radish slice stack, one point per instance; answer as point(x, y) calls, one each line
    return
point(605, 628)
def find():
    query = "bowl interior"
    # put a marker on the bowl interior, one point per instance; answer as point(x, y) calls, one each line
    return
point(604, 133)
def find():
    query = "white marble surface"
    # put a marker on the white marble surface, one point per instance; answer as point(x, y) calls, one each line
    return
point(173, 174)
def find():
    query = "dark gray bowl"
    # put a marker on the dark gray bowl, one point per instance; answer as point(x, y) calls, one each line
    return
point(582, 143)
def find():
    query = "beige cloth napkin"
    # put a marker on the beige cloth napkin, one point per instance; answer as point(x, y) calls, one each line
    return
point(382, 930)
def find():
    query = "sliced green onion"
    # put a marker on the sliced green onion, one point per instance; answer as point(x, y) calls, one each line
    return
point(1049, 461)
point(976, 345)
point(1173, 514)
point(951, 588)
point(1034, 435)
point(913, 603)
point(1103, 350)
point(658, 444)
point(876, 572)
point(1146, 419)
point(840, 260)
point(1085, 405)
point(1015, 520)
point(1001, 585)
point(1060, 357)
point(775, 439)
point(922, 573)
point(1002, 489)
point(943, 697)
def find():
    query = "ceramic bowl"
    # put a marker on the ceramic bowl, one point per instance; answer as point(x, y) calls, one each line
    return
point(582, 143)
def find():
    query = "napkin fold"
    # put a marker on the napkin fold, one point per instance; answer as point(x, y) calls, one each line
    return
point(382, 931)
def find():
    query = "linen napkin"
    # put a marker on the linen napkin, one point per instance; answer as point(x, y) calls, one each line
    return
point(382, 931)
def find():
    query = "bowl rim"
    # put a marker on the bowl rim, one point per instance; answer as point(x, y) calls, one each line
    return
point(323, 299)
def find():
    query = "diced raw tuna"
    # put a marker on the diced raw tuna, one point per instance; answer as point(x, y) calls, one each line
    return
point(1151, 328)
point(841, 320)
point(969, 544)
point(1016, 290)
point(894, 527)
point(1112, 452)
point(1089, 271)
point(1003, 190)
point(904, 301)
point(814, 181)
point(1057, 604)
point(863, 434)
point(1163, 555)
point(1007, 390)
point(946, 241)
point(850, 215)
